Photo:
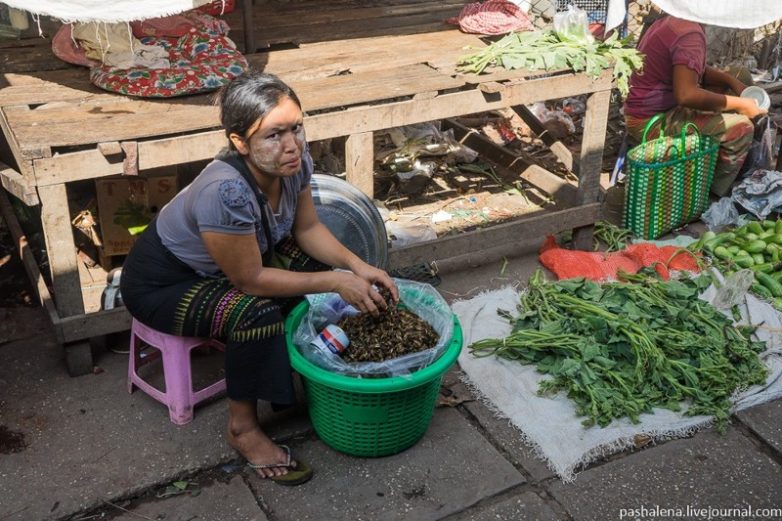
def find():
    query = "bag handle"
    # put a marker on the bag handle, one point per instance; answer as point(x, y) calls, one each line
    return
point(649, 124)
point(696, 133)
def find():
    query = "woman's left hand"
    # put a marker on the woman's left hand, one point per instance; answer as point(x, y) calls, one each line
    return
point(378, 277)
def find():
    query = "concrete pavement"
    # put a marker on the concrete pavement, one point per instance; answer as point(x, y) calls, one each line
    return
point(84, 449)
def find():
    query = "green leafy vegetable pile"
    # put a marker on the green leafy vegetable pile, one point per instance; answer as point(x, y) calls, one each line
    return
point(533, 50)
point(620, 349)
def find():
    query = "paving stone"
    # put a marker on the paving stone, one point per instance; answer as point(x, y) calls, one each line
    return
point(497, 429)
point(229, 501)
point(88, 440)
point(707, 471)
point(765, 420)
point(526, 505)
point(451, 468)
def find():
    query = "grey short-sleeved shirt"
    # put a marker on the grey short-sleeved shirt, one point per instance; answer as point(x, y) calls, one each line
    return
point(220, 200)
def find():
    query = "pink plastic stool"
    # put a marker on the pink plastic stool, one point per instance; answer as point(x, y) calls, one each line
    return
point(175, 350)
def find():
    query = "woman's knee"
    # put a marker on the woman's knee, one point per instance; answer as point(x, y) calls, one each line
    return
point(264, 321)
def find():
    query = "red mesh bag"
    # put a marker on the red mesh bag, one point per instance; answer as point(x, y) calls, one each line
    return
point(492, 17)
point(599, 266)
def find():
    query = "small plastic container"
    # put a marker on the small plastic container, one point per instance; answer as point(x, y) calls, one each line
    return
point(759, 94)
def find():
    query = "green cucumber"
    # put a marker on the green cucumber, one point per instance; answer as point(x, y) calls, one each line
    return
point(769, 225)
point(761, 291)
point(770, 283)
point(755, 227)
point(744, 261)
point(722, 252)
point(756, 246)
point(766, 267)
point(719, 239)
point(758, 258)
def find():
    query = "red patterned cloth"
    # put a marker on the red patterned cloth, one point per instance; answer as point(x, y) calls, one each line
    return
point(492, 17)
point(200, 62)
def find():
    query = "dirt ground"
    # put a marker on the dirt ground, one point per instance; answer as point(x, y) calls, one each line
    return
point(16, 288)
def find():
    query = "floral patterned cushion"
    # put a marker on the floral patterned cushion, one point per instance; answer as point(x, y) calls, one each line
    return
point(201, 61)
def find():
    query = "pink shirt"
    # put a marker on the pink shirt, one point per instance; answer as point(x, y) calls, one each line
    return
point(669, 41)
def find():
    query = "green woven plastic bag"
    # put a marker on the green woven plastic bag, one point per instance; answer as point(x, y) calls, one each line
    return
point(668, 180)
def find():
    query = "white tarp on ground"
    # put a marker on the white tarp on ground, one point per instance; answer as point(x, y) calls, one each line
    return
point(550, 424)
point(103, 10)
point(738, 14)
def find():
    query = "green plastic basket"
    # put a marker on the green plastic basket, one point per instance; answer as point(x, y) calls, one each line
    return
point(668, 180)
point(370, 417)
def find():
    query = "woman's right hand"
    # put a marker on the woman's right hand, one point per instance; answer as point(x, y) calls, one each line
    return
point(749, 107)
point(359, 293)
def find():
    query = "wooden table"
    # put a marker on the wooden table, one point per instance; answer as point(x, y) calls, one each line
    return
point(58, 129)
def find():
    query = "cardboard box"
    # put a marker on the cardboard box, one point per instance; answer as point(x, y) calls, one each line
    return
point(127, 204)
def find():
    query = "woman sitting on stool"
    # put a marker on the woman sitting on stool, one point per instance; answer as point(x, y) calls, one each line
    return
point(229, 256)
point(676, 80)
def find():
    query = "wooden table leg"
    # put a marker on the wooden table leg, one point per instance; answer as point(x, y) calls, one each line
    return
point(61, 250)
point(591, 160)
point(249, 29)
point(360, 162)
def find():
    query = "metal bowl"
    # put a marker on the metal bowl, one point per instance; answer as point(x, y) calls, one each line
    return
point(350, 215)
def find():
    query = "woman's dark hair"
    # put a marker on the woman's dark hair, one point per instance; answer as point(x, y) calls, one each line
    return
point(250, 97)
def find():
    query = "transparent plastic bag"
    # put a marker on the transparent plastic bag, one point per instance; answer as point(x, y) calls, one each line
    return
point(720, 214)
point(761, 151)
point(573, 25)
point(733, 290)
point(329, 308)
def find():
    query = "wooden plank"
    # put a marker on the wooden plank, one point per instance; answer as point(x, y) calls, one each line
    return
point(91, 164)
point(50, 91)
point(83, 124)
point(591, 159)
point(28, 260)
point(90, 123)
point(360, 162)
point(475, 242)
point(557, 147)
point(84, 326)
point(30, 55)
point(377, 117)
point(178, 150)
point(17, 185)
point(321, 59)
point(316, 22)
point(366, 87)
point(56, 222)
point(551, 184)
point(23, 164)
point(593, 141)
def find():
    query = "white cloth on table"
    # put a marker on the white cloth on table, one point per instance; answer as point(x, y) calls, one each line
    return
point(103, 11)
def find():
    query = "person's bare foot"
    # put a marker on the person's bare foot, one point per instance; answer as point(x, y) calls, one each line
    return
point(257, 448)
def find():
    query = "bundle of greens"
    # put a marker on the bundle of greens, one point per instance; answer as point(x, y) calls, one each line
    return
point(614, 237)
point(620, 349)
point(534, 50)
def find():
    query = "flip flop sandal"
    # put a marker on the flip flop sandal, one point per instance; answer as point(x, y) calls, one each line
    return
point(298, 471)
